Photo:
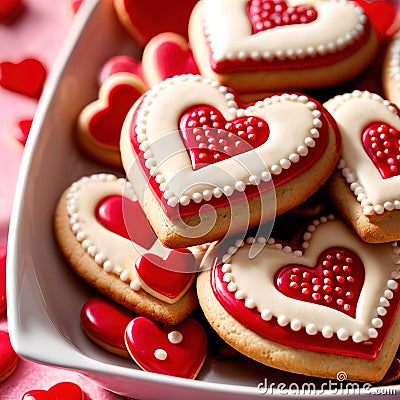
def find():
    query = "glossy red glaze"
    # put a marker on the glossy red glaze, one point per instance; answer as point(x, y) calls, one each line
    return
point(120, 63)
point(127, 219)
point(268, 14)
point(171, 59)
point(335, 282)
point(143, 337)
point(106, 321)
point(210, 138)
point(60, 391)
point(21, 131)
point(10, 10)
point(169, 276)
point(146, 19)
point(8, 357)
point(382, 144)
point(3, 297)
point(26, 77)
point(105, 125)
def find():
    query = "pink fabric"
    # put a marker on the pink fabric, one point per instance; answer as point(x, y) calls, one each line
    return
point(37, 33)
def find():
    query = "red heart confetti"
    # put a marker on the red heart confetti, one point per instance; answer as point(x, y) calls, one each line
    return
point(168, 278)
point(10, 10)
point(3, 297)
point(26, 77)
point(335, 282)
point(268, 14)
point(127, 219)
point(60, 391)
point(105, 322)
point(382, 144)
point(76, 4)
point(21, 131)
point(210, 138)
point(8, 357)
point(178, 350)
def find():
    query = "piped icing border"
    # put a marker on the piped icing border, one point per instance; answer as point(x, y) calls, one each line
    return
point(394, 60)
point(299, 56)
point(359, 190)
point(297, 332)
point(312, 146)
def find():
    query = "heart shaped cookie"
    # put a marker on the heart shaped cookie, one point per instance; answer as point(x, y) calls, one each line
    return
point(365, 187)
point(60, 391)
point(264, 45)
point(104, 253)
point(8, 357)
point(120, 63)
point(166, 55)
point(178, 350)
point(100, 122)
point(144, 20)
point(206, 153)
point(329, 305)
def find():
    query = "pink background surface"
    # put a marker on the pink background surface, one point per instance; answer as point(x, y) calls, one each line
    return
point(37, 33)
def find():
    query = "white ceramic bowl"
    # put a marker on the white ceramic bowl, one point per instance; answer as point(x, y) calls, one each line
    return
point(44, 296)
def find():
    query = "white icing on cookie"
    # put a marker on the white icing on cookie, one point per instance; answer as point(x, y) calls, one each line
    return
point(394, 60)
point(166, 156)
point(338, 25)
point(353, 113)
point(253, 281)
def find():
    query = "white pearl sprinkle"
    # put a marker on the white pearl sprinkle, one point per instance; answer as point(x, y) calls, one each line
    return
point(160, 354)
point(175, 337)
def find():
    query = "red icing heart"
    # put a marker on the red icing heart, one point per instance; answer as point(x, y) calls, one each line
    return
point(148, 344)
point(8, 357)
point(146, 19)
point(22, 129)
point(335, 282)
point(60, 391)
point(3, 298)
point(268, 14)
point(26, 77)
point(382, 144)
point(168, 277)
point(105, 124)
point(210, 138)
point(10, 10)
point(120, 63)
point(127, 219)
point(383, 15)
point(105, 323)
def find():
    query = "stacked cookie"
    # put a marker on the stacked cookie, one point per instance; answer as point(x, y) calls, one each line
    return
point(218, 146)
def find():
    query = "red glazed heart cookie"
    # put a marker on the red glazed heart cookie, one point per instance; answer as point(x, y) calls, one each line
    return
point(365, 187)
point(60, 391)
point(102, 232)
point(144, 20)
point(100, 122)
point(329, 305)
point(8, 357)
point(264, 45)
point(26, 77)
point(166, 55)
point(178, 350)
point(104, 322)
point(207, 153)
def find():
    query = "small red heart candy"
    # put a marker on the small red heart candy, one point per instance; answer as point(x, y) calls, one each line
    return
point(383, 15)
point(167, 278)
point(21, 131)
point(120, 63)
point(382, 144)
point(126, 218)
point(3, 297)
point(335, 282)
point(10, 10)
point(178, 350)
point(8, 357)
point(26, 77)
point(105, 322)
point(60, 391)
